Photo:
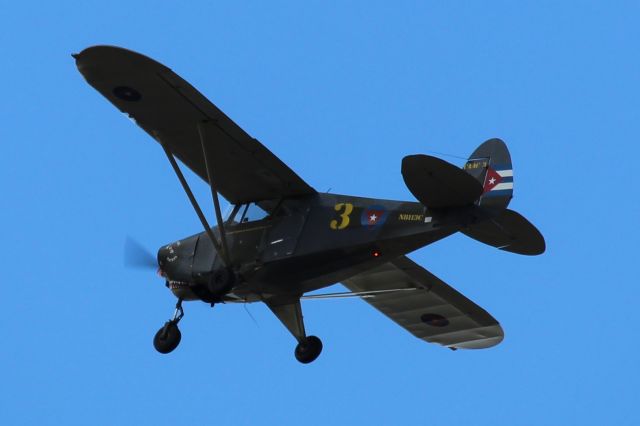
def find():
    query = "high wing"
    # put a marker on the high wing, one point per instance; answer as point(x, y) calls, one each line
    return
point(433, 311)
point(171, 111)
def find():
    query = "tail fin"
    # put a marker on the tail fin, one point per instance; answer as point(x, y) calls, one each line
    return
point(491, 165)
point(485, 190)
point(507, 230)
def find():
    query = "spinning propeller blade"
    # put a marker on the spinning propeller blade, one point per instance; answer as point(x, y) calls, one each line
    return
point(137, 256)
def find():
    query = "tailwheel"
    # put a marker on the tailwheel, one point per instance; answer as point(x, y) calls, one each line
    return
point(308, 349)
point(169, 336)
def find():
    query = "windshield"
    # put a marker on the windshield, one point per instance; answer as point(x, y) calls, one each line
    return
point(253, 213)
point(228, 211)
point(241, 213)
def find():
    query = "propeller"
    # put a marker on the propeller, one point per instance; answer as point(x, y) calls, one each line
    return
point(137, 256)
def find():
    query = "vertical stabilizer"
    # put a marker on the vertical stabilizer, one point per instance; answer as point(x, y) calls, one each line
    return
point(491, 165)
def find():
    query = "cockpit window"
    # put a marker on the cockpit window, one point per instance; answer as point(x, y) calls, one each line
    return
point(229, 212)
point(253, 213)
point(241, 213)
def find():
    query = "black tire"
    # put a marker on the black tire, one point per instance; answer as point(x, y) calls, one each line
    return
point(308, 350)
point(167, 338)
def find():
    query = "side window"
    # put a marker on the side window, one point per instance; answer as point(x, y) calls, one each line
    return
point(252, 213)
point(230, 212)
point(233, 213)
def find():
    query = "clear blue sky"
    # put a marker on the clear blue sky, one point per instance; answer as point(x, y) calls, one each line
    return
point(340, 92)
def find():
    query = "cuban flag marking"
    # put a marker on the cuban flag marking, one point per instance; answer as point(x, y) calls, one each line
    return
point(498, 181)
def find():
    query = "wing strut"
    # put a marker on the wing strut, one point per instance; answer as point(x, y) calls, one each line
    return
point(289, 312)
point(214, 193)
point(193, 200)
point(362, 294)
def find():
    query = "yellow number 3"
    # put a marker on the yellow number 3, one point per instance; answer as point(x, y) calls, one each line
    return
point(344, 216)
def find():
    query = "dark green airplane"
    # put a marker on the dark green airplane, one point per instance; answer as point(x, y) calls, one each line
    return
point(283, 239)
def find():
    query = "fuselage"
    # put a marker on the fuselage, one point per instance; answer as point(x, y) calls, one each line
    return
point(304, 244)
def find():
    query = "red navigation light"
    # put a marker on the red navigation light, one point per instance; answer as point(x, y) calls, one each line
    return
point(376, 253)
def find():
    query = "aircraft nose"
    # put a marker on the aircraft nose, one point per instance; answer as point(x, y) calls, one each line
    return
point(166, 255)
point(175, 259)
point(169, 261)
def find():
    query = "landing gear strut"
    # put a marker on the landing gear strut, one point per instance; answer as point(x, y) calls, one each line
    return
point(168, 337)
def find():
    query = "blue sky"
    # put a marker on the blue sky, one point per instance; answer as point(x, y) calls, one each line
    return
point(340, 92)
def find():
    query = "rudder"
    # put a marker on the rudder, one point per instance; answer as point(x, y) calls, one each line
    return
point(491, 165)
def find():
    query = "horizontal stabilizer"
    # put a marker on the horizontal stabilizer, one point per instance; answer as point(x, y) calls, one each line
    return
point(437, 184)
point(509, 231)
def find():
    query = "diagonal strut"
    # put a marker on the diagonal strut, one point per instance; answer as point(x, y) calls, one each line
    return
point(214, 194)
point(193, 200)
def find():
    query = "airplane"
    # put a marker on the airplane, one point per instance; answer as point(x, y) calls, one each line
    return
point(282, 239)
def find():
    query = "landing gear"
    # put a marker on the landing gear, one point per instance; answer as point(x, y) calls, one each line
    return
point(289, 312)
point(168, 337)
point(308, 349)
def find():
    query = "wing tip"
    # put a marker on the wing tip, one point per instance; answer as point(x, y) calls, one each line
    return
point(480, 338)
point(113, 58)
point(482, 343)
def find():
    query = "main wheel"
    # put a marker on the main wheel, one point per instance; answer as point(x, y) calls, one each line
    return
point(167, 338)
point(308, 350)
